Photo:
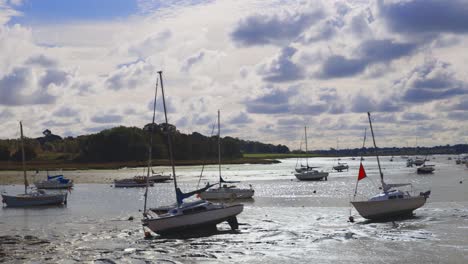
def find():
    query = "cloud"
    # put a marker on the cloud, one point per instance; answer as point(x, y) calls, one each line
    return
point(193, 60)
point(425, 16)
point(65, 111)
point(14, 84)
point(274, 102)
point(414, 116)
point(282, 69)
point(129, 76)
point(241, 118)
point(41, 60)
point(107, 118)
point(368, 53)
point(432, 81)
point(52, 76)
point(5, 114)
point(458, 115)
point(278, 29)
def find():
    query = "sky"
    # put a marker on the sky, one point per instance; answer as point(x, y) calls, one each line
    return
point(270, 67)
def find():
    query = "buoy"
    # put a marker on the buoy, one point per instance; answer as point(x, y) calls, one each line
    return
point(351, 219)
point(461, 182)
point(130, 218)
point(314, 191)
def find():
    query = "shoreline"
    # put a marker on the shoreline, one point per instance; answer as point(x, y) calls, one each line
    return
point(68, 165)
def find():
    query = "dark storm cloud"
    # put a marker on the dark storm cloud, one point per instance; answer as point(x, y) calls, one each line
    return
point(276, 101)
point(282, 69)
point(241, 118)
point(425, 16)
point(275, 29)
point(13, 84)
point(368, 53)
point(432, 81)
point(109, 118)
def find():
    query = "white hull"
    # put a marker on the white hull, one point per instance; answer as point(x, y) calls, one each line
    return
point(374, 210)
point(227, 193)
point(191, 221)
point(312, 176)
point(160, 178)
point(34, 200)
point(53, 185)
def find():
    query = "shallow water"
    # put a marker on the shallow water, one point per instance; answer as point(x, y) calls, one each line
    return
point(287, 221)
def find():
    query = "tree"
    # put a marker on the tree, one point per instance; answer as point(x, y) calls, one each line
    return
point(4, 153)
point(29, 154)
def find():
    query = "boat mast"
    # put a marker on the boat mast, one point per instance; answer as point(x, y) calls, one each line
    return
point(168, 132)
point(376, 153)
point(219, 148)
point(362, 153)
point(150, 147)
point(307, 157)
point(23, 158)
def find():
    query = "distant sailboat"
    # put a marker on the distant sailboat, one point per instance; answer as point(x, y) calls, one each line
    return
point(32, 198)
point(186, 217)
point(225, 192)
point(54, 182)
point(340, 166)
point(391, 202)
point(309, 173)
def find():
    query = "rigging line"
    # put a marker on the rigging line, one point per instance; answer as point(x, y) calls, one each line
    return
point(204, 161)
point(150, 147)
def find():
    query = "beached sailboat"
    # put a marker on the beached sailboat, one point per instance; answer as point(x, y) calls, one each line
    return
point(187, 216)
point(391, 202)
point(225, 191)
point(309, 173)
point(340, 166)
point(32, 198)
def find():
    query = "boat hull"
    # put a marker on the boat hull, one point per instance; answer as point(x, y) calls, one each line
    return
point(131, 185)
point(53, 185)
point(379, 210)
point(24, 201)
point(312, 176)
point(192, 221)
point(226, 194)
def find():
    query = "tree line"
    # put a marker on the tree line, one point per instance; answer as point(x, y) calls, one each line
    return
point(122, 143)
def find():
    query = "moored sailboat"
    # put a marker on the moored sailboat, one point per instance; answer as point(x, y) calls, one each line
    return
point(309, 173)
point(391, 202)
point(32, 198)
point(187, 216)
point(224, 191)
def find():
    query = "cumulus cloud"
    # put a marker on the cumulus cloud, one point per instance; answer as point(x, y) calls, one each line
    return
point(368, 53)
point(274, 102)
point(65, 111)
point(432, 81)
point(282, 68)
point(107, 118)
point(278, 29)
point(13, 88)
point(241, 118)
point(193, 60)
point(425, 16)
point(129, 76)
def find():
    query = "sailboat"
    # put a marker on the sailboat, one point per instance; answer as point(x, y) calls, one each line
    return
point(54, 182)
point(340, 166)
point(391, 202)
point(425, 168)
point(186, 216)
point(225, 192)
point(32, 198)
point(309, 173)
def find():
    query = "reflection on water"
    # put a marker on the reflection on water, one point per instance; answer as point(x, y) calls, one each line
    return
point(287, 221)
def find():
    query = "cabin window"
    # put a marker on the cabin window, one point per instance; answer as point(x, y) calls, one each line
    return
point(391, 197)
point(400, 196)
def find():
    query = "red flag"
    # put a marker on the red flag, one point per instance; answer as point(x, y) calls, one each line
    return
point(362, 173)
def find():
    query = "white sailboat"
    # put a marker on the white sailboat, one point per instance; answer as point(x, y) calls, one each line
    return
point(309, 173)
point(340, 166)
point(391, 202)
point(187, 216)
point(54, 182)
point(224, 191)
point(32, 198)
